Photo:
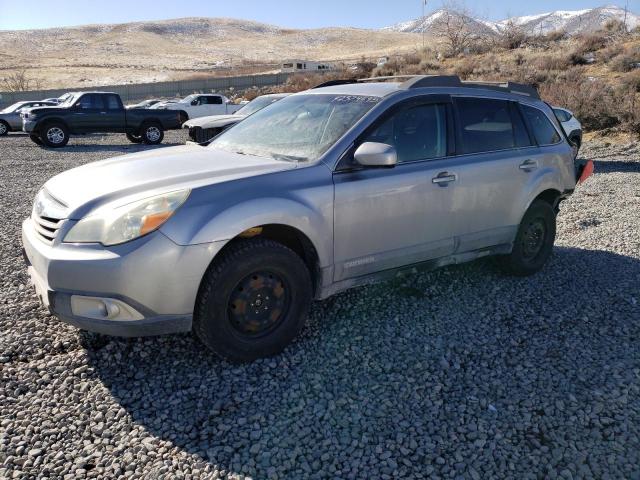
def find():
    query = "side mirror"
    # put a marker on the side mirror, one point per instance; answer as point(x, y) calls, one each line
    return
point(194, 102)
point(373, 154)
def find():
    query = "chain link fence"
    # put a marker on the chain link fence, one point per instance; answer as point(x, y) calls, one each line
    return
point(141, 91)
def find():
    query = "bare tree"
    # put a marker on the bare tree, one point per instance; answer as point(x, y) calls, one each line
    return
point(20, 81)
point(512, 35)
point(456, 27)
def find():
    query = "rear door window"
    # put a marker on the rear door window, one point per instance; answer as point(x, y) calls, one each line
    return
point(91, 102)
point(213, 100)
point(112, 102)
point(541, 127)
point(485, 125)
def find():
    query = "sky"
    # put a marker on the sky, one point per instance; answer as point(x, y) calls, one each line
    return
point(28, 14)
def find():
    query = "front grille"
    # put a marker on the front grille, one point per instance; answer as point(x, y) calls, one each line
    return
point(46, 227)
point(201, 135)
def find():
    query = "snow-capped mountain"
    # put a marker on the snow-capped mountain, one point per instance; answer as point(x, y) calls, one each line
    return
point(432, 21)
point(570, 21)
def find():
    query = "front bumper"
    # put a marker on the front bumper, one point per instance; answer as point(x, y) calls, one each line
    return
point(152, 275)
point(28, 126)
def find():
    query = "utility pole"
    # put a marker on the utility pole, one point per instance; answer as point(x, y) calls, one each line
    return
point(626, 12)
point(424, 4)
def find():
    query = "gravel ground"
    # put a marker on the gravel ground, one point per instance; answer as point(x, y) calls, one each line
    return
point(458, 373)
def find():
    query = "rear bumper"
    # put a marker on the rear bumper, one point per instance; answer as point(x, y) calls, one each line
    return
point(153, 277)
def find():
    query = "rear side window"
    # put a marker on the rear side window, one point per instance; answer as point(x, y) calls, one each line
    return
point(541, 127)
point(417, 133)
point(212, 100)
point(485, 125)
point(112, 102)
point(562, 115)
point(91, 101)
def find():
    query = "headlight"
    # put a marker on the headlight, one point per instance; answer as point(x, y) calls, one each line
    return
point(127, 222)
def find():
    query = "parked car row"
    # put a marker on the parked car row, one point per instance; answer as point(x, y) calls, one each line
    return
point(52, 121)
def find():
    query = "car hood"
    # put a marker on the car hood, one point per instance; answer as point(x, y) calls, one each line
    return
point(51, 109)
point(213, 121)
point(128, 178)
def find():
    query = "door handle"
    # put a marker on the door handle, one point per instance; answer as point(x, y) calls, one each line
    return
point(443, 178)
point(103, 113)
point(528, 165)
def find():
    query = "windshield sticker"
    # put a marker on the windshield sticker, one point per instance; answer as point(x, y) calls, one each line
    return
point(355, 99)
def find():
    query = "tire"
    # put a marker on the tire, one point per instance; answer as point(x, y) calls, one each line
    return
point(35, 139)
point(256, 273)
point(534, 241)
point(134, 138)
point(183, 117)
point(152, 133)
point(54, 135)
point(4, 128)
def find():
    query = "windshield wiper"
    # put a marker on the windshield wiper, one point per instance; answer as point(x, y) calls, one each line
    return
point(288, 158)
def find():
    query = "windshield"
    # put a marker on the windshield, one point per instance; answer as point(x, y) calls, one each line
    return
point(69, 99)
point(257, 104)
point(13, 108)
point(297, 128)
point(188, 99)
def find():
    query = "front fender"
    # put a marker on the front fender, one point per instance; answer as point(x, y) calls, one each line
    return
point(298, 198)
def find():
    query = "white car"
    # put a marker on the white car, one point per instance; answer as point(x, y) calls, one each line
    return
point(570, 124)
point(200, 105)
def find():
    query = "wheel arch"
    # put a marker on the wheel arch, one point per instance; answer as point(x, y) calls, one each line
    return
point(291, 237)
point(46, 121)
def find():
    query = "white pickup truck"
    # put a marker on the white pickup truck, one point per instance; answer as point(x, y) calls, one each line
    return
point(200, 105)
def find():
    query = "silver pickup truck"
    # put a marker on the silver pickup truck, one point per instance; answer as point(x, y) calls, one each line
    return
point(324, 190)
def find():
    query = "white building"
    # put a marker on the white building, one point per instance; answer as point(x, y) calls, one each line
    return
point(296, 66)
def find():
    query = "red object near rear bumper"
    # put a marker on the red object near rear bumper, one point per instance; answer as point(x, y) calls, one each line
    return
point(586, 171)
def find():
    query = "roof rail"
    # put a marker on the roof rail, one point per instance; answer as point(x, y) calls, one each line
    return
point(331, 83)
point(454, 81)
point(390, 77)
point(425, 81)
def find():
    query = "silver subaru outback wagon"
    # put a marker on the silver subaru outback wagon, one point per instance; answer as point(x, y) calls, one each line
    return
point(327, 189)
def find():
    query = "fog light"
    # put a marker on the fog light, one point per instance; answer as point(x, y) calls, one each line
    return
point(103, 308)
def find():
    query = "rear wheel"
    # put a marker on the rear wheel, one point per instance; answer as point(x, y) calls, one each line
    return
point(134, 138)
point(55, 135)
point(35, 139)
point(534, 241)
point(253, 300)
point(152, 133)
point(4, 128)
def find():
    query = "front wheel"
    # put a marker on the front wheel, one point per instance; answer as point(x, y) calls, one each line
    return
point(253, 300)
point(152, 133)
point(4, 128)
point(534, 241)
point(55, 135)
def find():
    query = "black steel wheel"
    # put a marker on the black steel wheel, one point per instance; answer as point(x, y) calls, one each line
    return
point(534, 241)
point(253, 300)
point(259, 303)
